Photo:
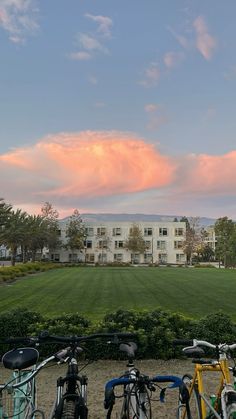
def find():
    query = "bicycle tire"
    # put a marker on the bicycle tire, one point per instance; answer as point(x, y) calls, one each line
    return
point(231, 411)
point(194, 401)
point(68, 410)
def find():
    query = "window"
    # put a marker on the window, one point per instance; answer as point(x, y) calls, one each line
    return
point(102, 258)
point(147, 258)
point(73, 257)
point(179, 231)
point(116, 231)
point(135, 257)
point(148, 244)
point(90, 257)
point(148, 231)
point(180, 257)
point(161, 244)
point(88, 244)
point(162, 258)
point(55, 257)
point(102, 244)
point(118, 257)
point(101, 231)
point(89, 231)
point(163, 231)
point(178, 244)
point(119, 244)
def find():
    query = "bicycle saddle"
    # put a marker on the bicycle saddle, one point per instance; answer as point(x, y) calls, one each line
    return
point(20, 358)
point(129, 348)
point(193, 351)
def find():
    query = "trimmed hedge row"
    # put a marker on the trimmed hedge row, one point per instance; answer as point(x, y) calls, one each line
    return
point(10, 273)
point(155, 330)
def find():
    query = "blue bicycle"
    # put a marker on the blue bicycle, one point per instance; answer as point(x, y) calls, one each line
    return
point(138, 389)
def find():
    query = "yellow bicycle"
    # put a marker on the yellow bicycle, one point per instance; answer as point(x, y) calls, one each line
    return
point(201, 405)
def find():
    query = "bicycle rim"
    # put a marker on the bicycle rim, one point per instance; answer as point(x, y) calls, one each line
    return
point(194, 401)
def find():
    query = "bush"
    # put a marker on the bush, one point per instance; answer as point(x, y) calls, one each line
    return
point(155, 330)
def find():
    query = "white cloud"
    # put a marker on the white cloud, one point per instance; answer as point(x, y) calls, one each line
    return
point(156, 116)
point(182, 40)
point(104, 24)
point(152, 76)
point(80, 56)
point(18, 18)
point(205, 43)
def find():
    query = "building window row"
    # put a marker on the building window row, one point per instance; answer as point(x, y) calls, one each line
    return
point(117, 231)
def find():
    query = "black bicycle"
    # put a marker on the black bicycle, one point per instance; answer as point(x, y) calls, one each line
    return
point(71, 396)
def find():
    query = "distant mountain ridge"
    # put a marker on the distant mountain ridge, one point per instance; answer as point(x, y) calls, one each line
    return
point(99, 217)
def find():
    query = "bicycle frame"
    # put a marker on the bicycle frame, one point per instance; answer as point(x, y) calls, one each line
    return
point(21, 387)
point(71, 381)
point(225, 395)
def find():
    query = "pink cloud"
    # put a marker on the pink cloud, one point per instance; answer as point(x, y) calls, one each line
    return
point(173, 59)
point(113, 171)
point(87, 164)
point(206, 174)
point(205, 43)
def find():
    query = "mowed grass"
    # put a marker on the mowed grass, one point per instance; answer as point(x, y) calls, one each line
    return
point(93, 292)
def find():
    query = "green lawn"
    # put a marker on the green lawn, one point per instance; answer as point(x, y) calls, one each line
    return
point(96, 291)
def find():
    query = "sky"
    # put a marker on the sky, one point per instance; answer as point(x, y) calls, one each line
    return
point(119, 106)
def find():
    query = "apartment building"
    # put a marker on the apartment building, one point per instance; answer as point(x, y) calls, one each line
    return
point(105, 243)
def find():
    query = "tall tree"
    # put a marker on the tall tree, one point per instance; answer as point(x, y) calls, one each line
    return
point(36, 237)
point(75, 232)
point(5, 210)
point(135, 241)
point(194, 237)
point(52, 232)
point(225, 236)
point(12, 234)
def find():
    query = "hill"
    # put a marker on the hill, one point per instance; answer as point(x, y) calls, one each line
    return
point(99, 217)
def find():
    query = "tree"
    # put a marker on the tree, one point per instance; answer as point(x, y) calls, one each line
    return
point(194, 237)
point(52, 232)
point(36, 236)
point(225, 231)
point(5, 210)
point(12, 234)
point(75, 232)
point(135, 241)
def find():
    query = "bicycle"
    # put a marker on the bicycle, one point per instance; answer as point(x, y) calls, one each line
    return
point(18, 396)
point(137, 389)
point(221, 404)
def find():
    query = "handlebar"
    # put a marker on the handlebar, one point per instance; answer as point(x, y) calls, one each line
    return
point(193, 343)
point(45, 337)
point(143, 379)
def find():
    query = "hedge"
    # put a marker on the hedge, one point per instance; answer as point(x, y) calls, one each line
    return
point(155, 330)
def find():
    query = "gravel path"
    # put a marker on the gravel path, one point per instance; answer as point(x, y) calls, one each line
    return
point(101, 371)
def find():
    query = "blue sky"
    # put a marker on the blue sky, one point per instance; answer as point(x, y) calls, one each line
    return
point(148, 83)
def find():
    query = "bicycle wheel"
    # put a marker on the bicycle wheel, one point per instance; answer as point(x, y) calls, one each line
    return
point(68, 410)
point(144, 405)
point(194, 401)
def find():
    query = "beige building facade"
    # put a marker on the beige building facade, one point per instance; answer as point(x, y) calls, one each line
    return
point(105, 243)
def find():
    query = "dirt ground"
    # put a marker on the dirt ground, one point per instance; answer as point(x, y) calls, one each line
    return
point(99, 373)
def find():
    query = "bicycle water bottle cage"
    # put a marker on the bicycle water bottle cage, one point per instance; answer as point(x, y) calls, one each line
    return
point(20, 358)
point(193, 351)
point(129, 348)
